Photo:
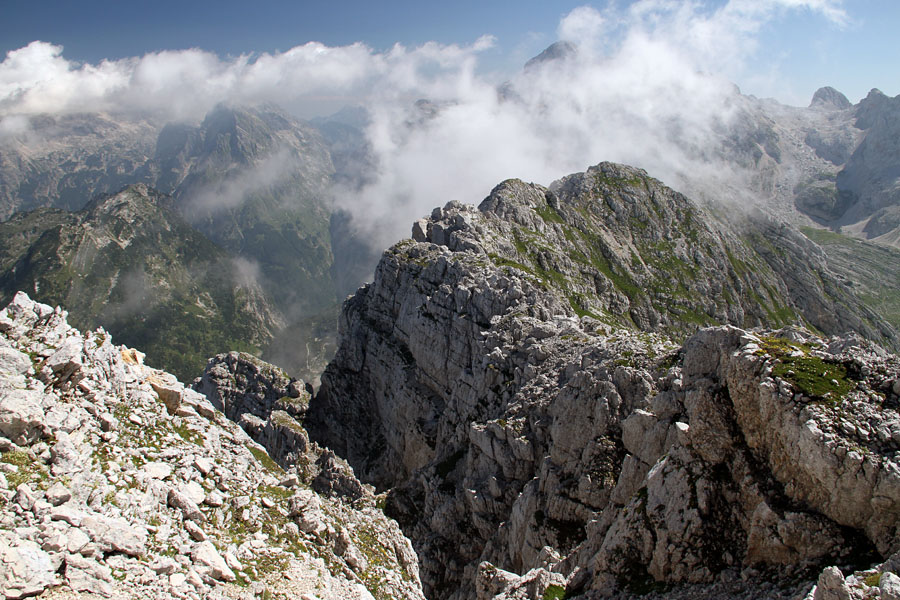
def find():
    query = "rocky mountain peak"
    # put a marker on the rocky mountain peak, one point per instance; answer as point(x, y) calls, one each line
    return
point(233, 134)
point(116, 481)
point(875, 109)
point(556, 52)
point(828, 97)
point(580, 455)
point(127, 203)
point(618, 246)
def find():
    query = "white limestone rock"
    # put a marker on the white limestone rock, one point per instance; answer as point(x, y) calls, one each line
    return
point(21, 415)
point(58, 494)
point(25, 569)
point(86, 575)
point(889, 586)
point(208, 560)
point(115, 534)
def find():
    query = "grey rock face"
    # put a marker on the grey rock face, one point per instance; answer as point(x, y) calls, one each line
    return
point(828, 97)
point(238, 383)
point(512, 421)
point(871, 175)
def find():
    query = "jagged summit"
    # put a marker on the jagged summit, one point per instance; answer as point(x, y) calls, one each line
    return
point(557, 51)
point(515, 379)
point(136, 194)
point(828, 97)
point(621, 247)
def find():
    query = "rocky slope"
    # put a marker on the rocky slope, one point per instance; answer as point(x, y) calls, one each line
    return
point(873, 270)
point(832, 164)
point(513, 378)
point(127, 263)
point(64, 161)
point(117, 481)
point(252, 180)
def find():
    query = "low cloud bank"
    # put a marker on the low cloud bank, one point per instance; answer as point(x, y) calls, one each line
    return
point(648, 85)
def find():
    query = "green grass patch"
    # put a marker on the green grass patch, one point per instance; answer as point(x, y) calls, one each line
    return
point(548, 214)
point(554, 592)
point(28, 469)
point(501, 261)
point(265, 460)
point(873, 580)
point(813, 376)
point(189, 435)
point(275, 491)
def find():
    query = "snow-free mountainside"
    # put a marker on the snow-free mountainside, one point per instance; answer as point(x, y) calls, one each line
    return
point(606, 386)
point(588, 390)
point(263, 188)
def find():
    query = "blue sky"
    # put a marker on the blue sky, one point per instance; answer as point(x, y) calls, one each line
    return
point(798, 51)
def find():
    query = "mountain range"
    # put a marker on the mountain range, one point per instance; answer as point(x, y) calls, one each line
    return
point(258, 184)
point(248, 185)
point(514, 411)
point(127, 263)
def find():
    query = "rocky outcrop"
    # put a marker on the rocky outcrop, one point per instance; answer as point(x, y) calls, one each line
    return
point(829, 98)
point(238, 383)
point(773, 456)
point(117, 481)
point(495, 379)
point(271, 407)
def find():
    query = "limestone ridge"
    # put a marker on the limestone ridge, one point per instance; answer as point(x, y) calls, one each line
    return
point(620, 246)
point(870, 180)
point(119, 482)
point(510, 378)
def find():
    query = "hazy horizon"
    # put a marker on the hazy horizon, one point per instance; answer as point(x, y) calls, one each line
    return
point(652, 83)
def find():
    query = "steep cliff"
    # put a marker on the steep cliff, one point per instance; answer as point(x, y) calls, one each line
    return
point(515, 378)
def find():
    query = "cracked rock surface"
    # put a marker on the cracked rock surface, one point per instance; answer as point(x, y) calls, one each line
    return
point(539, 431)
point(117, 481)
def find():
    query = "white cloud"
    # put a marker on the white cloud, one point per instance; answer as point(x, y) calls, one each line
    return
point(649, 87)
point(583, 26)
point(185, 84)
point(246, 272)
point(231, 191)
